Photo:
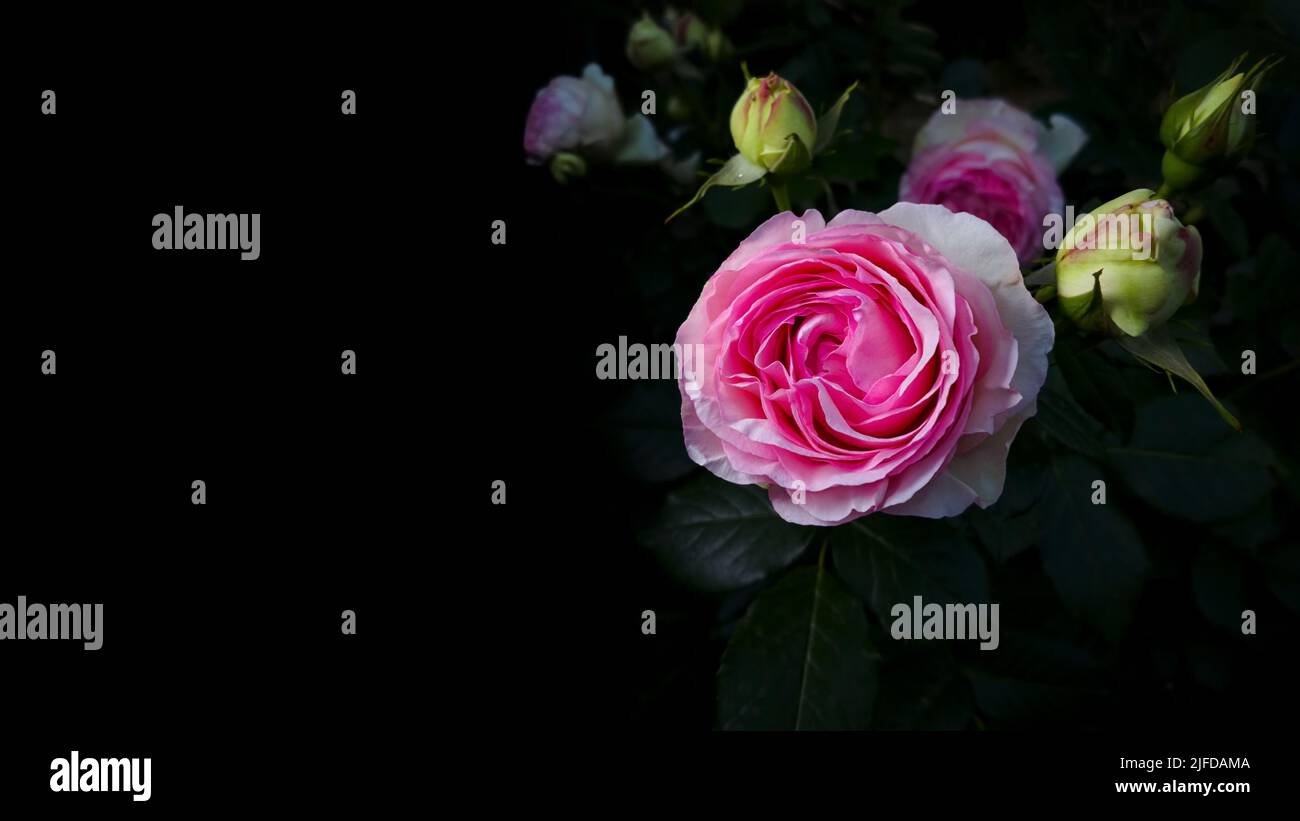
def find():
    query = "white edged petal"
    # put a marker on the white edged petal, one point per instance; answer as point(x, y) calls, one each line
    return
point(641, 143)
point(595, 75)
point(705, 449)
point(1062, 140)
point(983, 468)
point(778, 230)
point(945, 495)
point(969, 242)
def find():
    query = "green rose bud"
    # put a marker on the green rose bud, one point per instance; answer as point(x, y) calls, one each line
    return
point(773, 126)
point(1211, 128)
point(1126, 267)
point(649, 45)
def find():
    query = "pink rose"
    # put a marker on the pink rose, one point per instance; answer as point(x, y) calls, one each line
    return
point(884, 363)
point(993, 160)
point(574, 112)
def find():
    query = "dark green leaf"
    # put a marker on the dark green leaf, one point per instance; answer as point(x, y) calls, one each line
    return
point(1193, 338)
point(1011, 524)
point(801, 659)
point(1098, 385)
point(848, 161)
point(715, 536)
point(738, 171)
point(1219, 587)
point(1091, 552)
point(1266, 283)
point(830, 121)
point(1158, 348)
point(887, 560)
point(1186, 463)
point(1063, 418)
point(1032, 677)
point(1225, 216)
point(738, 208)
point(1251, 531)
point(1005, 536)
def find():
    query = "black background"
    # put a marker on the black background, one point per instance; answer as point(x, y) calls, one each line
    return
point(222, 657)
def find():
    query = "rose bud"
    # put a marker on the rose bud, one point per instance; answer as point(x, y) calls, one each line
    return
point(575, 114)
point(1209, 128)
point(649, 45)
point(773, 126)
point(1126, 267)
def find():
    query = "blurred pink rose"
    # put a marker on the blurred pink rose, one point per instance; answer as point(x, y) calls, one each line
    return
point(993, 160)
point(574, 112)
point(884, 363)
point(583, 115)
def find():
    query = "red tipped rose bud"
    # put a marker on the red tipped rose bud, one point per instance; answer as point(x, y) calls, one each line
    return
point(773, 126)
point(1126, 267)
